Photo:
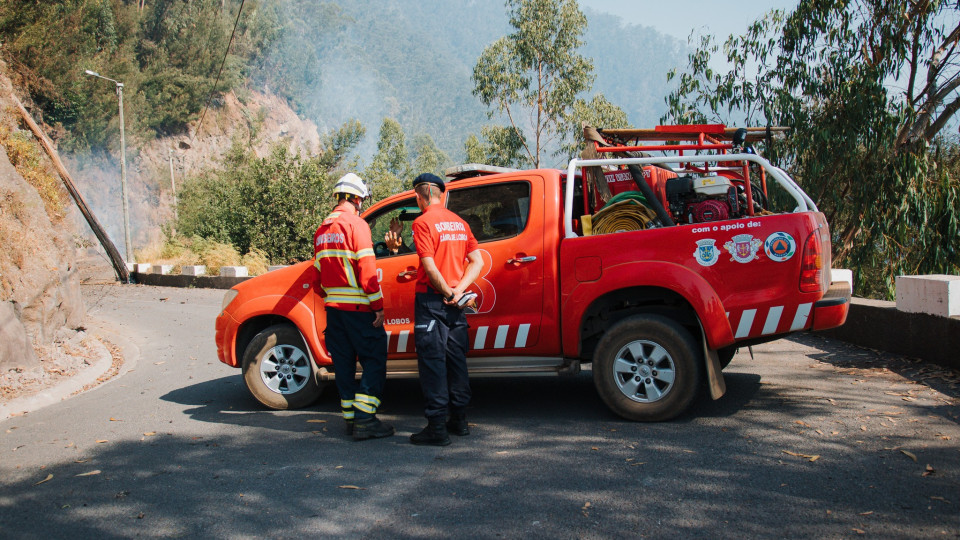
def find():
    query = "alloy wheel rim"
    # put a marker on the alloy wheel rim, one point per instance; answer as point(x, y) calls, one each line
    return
point(644, 371)
point(285, 369)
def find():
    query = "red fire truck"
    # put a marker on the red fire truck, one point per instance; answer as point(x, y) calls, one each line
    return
point(653, 261)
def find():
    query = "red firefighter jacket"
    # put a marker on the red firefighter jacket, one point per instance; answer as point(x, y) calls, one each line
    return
point(344, 256)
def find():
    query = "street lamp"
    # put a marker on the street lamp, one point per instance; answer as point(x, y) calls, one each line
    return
point(123, 166)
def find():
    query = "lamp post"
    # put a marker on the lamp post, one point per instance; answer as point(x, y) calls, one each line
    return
point(123, 166)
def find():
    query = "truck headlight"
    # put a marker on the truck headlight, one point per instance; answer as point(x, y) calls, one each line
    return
point(227, 298)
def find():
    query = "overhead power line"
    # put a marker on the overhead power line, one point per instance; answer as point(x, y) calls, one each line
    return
point(222, 62)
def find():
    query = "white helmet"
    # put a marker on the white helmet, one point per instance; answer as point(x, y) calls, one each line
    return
point(353, 185)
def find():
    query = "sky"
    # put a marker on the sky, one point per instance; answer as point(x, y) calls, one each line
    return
point(678, 18)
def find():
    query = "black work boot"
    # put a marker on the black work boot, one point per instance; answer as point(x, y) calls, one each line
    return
point(370, 428)
point(457, 424)
point(348, 427)
point(435, 434)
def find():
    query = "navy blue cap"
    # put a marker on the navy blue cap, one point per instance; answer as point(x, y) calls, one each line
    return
point(427, 178)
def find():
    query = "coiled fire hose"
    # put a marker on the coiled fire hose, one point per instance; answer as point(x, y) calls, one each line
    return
point(625, 212)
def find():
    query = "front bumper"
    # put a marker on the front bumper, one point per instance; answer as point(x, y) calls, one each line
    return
point(226, 334)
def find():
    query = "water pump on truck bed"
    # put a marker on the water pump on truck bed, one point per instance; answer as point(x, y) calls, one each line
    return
point(687, 194)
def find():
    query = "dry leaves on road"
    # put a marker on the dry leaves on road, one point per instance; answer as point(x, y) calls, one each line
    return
point(48, 478)
point(91, 473)
point(811, 458)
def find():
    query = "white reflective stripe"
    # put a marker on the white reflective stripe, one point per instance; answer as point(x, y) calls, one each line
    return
point(431, 325)
point(746, 321)
point(402, 340)
point(481, 339)
point(800, 321)
point(501, 338)
point(773, 320)
point(522, 336)
point(367, 252)
point(375, 296)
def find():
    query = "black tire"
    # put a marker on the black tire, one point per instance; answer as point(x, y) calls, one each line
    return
point(659, 351)
point(726, 355)
point(277, 369)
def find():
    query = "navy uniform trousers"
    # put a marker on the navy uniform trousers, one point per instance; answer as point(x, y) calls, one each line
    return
point(440, 333)
point(350, 335)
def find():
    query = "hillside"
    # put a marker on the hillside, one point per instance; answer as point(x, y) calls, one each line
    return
point(421, 74)
point(40, 302)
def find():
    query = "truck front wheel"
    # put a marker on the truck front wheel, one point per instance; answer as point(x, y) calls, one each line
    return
point(647, 368)
point(277, 369)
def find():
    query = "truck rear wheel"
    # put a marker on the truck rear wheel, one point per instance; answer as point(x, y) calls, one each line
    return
point(277, 369)
point(647, 368)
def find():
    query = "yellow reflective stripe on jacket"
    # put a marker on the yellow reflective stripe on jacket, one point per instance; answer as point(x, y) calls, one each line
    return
point(333, 299)
point(338, 254)
point(346, 295)
point(349, 273)
point(375, 296)
point(367, 252)
point(345, 291)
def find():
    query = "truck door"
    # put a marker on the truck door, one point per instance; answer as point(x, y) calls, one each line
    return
point(509, 230)
point(397, 272)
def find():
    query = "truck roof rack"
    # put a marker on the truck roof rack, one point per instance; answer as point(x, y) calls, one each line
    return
point(470, 170)
point(698, 137)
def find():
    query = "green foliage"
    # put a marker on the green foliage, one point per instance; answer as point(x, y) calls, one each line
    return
point(167, 55)
point(393, 166)
point(427, 157)
point(536, 70)
point(24, 154)
point(271, 204)
point(865, 150)
point(337, 145)
point(501, 147)
point(390, 165)
point(598, 113)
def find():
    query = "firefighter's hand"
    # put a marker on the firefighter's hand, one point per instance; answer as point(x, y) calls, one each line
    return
point(378, 321)
point(453, 298)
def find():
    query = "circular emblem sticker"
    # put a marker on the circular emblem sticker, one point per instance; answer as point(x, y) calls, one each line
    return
point(706, 252)
point(779, 246)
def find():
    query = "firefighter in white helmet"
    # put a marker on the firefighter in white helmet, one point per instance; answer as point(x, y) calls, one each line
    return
point(354, 308)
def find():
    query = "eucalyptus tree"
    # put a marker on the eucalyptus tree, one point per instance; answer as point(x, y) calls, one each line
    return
point(533, 75)
point(867, 88)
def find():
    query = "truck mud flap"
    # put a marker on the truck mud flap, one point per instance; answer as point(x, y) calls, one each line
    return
point(715, 381)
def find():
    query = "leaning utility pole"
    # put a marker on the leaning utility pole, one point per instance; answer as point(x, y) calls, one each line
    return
point(118, 264)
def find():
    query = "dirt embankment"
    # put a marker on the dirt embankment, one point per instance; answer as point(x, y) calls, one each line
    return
point(44, 239)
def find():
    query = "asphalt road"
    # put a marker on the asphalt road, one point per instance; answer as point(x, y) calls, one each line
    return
point(814, 439)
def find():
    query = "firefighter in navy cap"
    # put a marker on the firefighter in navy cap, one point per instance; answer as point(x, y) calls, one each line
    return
point(449, 262)
point(354, 307)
